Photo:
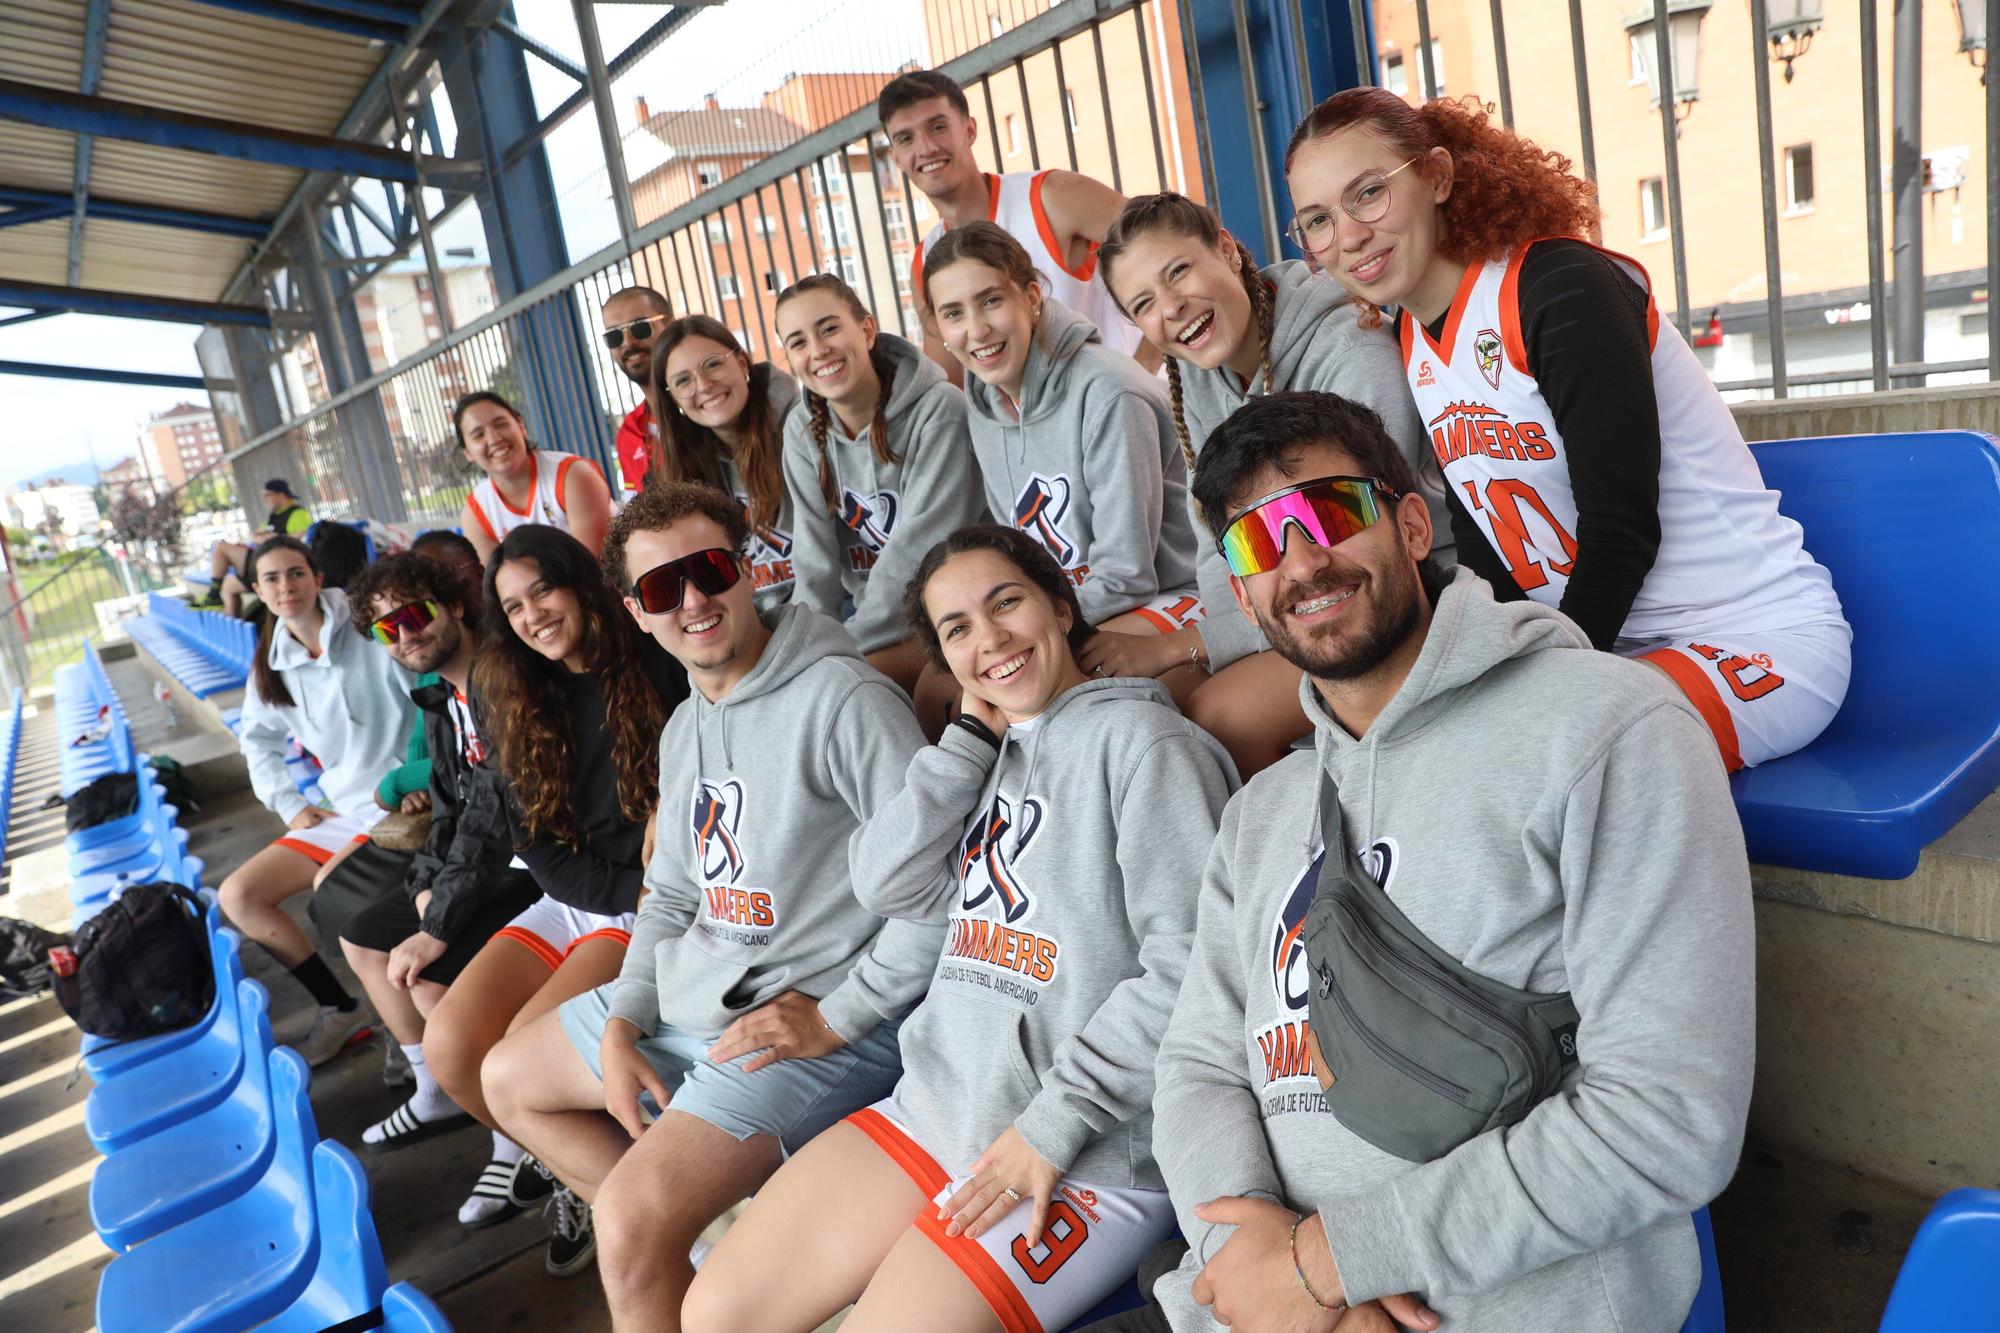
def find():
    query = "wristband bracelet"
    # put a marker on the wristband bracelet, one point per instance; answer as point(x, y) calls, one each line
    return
point(976, 728)
point(1299, 1268)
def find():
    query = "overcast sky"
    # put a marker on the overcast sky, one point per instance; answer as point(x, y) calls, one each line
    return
point(737, 51)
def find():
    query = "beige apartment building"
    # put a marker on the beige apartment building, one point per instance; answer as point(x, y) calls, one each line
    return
point(1817, 141)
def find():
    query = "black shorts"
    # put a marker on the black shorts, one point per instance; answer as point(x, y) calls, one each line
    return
point(369, 874)
point(389, 921)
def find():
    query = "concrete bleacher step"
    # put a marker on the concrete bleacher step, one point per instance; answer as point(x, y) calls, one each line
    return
point(194, 735)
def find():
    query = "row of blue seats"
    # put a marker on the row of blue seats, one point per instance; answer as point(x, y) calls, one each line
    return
point(206, 651)
point(10, 753)
point(91, 726)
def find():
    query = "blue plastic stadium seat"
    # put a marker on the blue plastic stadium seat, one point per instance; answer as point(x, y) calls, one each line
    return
point(189, 1168)
point(237, 1265)
point(104, 1060)
point(1706, 1316)
point(1908, 526)
point(350, 1278)
point(405, 1309)
point(1950, 1279)
point(147, 1098)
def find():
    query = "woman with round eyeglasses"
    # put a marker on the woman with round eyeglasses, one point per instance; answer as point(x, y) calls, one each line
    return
point(722, 422)
point(1231, 331)
point(523, 483)
point(1592, 466)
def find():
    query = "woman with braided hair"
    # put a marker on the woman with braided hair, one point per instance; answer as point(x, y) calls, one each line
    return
point(879, 465)
point(1230, 332)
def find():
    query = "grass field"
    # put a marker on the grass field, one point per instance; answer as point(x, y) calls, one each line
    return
point(61, 598)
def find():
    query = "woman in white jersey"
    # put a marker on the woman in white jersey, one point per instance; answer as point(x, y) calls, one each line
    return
point(523, 484)
point(722, 421)
point(1075, 442)
point(1592, 465)
point(879, 465)
point(1009, 1181)
point(316, 680)
point(1229, 331)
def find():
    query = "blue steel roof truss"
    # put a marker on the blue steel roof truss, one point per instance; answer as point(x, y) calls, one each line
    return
point(374, 20)
point(96, 21)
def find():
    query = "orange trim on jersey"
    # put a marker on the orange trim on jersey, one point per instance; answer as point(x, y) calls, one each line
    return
point(319, 856)
point(533, 943)
point(917, 271)
point(1707, 700)
point(1405, 323)
point(562, 475)
point(1046, 229)
point(1155, 619)
point(624, 938)
point(1459, 300)
point(918, 1165)
point(1511, 337)
point(485, 525)
point(534, 475)
point(1002, 1297)
point(992, 196)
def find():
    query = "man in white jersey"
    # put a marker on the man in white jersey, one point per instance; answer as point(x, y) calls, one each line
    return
point(1059, 216)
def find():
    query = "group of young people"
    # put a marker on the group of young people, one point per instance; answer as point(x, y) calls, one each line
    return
point(1080, 824)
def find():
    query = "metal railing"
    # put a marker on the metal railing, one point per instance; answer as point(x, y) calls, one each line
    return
point(831, 202)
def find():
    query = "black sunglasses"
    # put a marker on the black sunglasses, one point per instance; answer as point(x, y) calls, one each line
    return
point(664, 587)
point(642, 329)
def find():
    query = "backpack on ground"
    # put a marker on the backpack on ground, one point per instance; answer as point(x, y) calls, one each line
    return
point(142, 965)
point(102, 800)
point(24, 957)
point(182, 794)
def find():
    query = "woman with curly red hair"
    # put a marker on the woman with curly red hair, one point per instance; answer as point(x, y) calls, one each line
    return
point(1591, 465)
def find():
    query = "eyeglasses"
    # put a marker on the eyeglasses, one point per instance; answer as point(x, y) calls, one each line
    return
point(708, 370)
point(403, 620)
point(637, 330)
point(664, 587)
point(1366, 200)
point(1328, 510)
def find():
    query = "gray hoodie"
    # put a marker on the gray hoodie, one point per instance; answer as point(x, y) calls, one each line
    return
point(1059, 861)
point(770, 546)
point(1557, 819)
point(890, 513)
point(1092, 466)
point(751, 890)
point(1317, 342)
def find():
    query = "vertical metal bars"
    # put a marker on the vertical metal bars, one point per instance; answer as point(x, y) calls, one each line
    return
point(1670, 135)
point(1871, 193)
point(1992, 193)
point(1500, 64)
point(1424, 49)
point(1585, 135)
point(1774, 282)
point(1253, 105)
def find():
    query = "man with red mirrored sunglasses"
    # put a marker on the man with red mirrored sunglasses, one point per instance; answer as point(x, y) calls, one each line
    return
point(1491, 813)
point(632, 319)
point(759, 1000)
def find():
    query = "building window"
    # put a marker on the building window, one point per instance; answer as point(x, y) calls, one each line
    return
point(766, 224)
point(849, 270)
point(718, 229)
point(898, 221)
point(708, 173)
point(902, 281)
point(1013, 134)
point(1437, 68)
point(993, 23)
point(1652, 208)
point(1799, 178)
point(1394, 77)
point(726, 288)
point(775, 280)
point(1069, 109)
point(1639, 45)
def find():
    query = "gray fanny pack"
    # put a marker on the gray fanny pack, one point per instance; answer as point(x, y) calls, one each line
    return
point(1424, 1053)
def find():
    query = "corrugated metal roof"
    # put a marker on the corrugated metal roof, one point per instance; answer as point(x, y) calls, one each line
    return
point(179, 55)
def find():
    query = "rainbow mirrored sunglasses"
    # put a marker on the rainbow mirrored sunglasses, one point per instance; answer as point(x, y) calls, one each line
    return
point(403, 620)
point(1328, 510)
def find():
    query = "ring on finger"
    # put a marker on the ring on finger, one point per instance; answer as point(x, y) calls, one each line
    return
point(1011, 1193)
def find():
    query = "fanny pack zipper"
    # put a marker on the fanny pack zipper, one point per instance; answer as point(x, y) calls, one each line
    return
point(1425, 973)
point(1437, 1083)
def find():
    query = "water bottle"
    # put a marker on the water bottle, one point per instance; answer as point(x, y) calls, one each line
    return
point(166, 698)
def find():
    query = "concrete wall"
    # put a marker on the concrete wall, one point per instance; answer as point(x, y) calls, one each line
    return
point(1959, 407)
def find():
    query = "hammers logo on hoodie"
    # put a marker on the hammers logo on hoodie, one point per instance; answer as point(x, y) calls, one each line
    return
point(989, 887)
point(731, 912)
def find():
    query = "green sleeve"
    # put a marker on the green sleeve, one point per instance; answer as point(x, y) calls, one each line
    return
point(298, 521)
point(414, 773)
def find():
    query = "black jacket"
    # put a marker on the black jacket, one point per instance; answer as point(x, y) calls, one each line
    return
point(471, 840)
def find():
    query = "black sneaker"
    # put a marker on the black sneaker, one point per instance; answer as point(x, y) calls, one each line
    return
point(572, 1239)
point(531, 1184)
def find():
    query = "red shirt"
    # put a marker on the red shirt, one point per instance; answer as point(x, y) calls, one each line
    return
point(636, 437)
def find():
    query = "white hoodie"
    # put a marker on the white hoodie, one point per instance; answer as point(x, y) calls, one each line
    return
point(351, 709)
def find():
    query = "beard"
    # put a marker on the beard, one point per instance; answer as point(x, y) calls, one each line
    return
point(1347, 649)
point(437, 650)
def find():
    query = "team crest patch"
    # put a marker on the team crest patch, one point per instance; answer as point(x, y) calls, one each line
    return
point(1486, 350)
point(871, 518)
point(1039, 511)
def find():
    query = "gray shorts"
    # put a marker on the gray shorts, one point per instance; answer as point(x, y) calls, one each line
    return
point(791, 1100)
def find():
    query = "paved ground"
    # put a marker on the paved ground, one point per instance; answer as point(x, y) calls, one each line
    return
point(1805, 1246)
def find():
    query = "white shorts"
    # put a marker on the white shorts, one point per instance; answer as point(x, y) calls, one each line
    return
point(1763, 695)
point(551, 931)
point(1091, 1244)
point(328, 838)
point(1172, 611)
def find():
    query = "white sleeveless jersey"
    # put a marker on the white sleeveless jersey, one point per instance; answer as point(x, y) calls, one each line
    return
point(1728, 560)
point(545, 503)
point(1015, 204)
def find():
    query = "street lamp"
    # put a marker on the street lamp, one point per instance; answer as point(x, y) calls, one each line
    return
point(1684, 37)
point(1790, 24)
point(1972, 33)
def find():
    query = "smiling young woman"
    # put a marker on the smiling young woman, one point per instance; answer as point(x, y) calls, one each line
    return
point(1592, 464)
point(523, 483)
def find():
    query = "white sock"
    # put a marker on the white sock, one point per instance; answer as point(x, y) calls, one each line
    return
point(429, 1101)
point(505, 1149)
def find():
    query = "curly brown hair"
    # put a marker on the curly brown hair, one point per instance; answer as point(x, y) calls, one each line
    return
point(527, 700)
point(662, 504)
point(1505, 190)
